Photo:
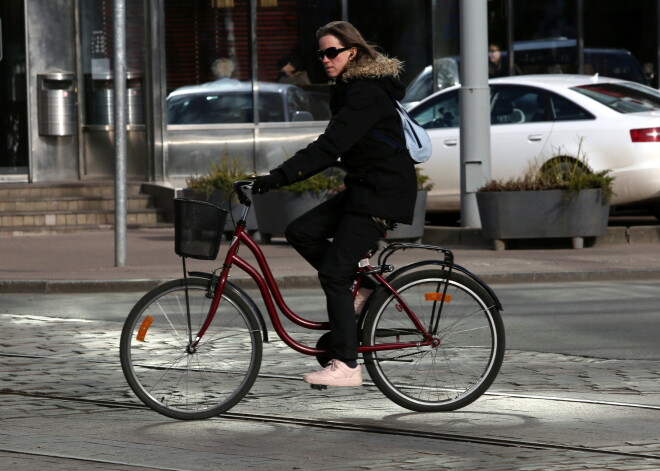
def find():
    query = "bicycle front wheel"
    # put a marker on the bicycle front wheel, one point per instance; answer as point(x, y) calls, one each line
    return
point(469, 341)
point(184, 384)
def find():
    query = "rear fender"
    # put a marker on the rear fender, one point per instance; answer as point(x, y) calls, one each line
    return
point(413, 266)
point(444, 264)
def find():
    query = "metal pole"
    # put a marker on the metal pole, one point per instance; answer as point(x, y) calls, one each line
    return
point(509, 37)
point(120, 130)
point(580, 35)
point(254, 67)
point(155, 89)
point(657, 46)
point(474, 101)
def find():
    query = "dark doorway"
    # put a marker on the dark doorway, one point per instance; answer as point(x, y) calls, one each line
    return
point(13, 92)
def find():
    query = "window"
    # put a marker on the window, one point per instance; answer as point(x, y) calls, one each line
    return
point(509, 105)
point(566, 110)
point(513, 105)
point(440, 113)
point(209, 109)
point(621, 97)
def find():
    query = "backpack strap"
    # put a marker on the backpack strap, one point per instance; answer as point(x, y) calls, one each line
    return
point(397, 146)
point(393, 143)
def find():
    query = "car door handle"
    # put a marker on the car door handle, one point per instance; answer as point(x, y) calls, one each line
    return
point(451, 142)
point(535, 137)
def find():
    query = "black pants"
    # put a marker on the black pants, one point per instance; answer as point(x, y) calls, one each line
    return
point(353, 235)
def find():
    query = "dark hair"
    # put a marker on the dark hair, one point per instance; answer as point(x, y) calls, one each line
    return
point(348, 36)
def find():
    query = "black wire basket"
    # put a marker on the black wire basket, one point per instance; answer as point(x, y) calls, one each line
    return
point(198, 229)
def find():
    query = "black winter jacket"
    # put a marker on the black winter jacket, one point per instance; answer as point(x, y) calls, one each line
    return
point(380, 181)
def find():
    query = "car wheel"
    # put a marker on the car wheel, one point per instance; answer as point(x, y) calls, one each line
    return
point(562, 168)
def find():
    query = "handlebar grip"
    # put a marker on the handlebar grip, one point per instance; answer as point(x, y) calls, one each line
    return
point(239, 187)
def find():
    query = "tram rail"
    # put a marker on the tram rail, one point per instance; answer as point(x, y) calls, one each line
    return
point(350, 427)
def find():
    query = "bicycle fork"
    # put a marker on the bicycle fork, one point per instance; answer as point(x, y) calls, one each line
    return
point(215, 289)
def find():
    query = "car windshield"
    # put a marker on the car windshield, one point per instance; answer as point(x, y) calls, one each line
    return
point(623, 97)
point(216, 108)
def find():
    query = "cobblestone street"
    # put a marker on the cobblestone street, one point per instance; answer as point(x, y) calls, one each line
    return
point(64, 396)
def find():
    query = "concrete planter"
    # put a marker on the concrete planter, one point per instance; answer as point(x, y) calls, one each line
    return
point(276, 209)
point(415, 230)
point(542, 214)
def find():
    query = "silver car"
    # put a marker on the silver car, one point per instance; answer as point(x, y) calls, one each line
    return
point(208, 121)
point(231, 101)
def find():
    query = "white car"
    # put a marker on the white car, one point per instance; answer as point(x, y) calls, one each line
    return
point(613, 124)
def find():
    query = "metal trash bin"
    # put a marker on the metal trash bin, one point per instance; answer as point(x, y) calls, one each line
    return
point(134, 100)
point(57, 103)
point(100, 99)
point(100, 109)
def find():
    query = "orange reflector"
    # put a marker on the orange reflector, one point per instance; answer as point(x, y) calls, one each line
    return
point(437, 297)
point(146, 323)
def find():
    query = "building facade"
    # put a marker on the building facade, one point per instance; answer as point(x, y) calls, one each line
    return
point(57, 77)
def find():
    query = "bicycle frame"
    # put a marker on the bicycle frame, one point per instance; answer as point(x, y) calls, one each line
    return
point(270, 290)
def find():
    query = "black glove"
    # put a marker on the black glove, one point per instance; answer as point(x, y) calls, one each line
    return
point(268, 182)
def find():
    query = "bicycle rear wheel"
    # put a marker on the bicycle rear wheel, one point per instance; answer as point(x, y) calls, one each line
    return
point(190, 385)
point(470, 339)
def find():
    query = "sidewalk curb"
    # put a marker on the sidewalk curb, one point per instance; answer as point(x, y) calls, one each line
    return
point(308, 282)
point(132, 285)
point(466, 237)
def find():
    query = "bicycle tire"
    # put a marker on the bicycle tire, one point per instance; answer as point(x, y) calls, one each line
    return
point(471, 342)
point(182, 385)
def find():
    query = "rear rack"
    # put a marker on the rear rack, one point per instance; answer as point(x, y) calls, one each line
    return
point(390, 249)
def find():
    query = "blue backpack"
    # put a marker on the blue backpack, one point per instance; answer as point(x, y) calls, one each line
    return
point(417, 143)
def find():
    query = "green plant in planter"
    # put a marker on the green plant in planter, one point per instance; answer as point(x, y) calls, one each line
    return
point(221, 177)
point(558, 173)
point(276, 209)
point(321, 182)
point(423, 181)
point(333, 181)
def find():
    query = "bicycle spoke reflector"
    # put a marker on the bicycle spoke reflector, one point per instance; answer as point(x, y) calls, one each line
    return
point(437, 297)
point(142, 332)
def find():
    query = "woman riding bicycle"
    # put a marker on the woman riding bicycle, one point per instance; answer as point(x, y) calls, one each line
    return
point(380, 184)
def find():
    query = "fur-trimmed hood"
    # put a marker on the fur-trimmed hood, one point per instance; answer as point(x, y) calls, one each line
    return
point(380, 180)
point(368, 68)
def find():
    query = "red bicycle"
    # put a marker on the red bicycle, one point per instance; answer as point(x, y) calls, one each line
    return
point(431, 334)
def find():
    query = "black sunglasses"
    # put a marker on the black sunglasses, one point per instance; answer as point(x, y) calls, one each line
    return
point(330, 52)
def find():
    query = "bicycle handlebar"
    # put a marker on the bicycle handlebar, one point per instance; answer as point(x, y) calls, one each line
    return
point(239, 187)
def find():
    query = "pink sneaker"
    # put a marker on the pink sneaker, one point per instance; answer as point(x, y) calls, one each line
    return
point(336, 373)
point(360, 299)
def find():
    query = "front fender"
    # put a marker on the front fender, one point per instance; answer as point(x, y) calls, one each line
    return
point(243, 295)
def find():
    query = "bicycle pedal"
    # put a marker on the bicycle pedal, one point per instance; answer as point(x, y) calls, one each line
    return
point(320, 387)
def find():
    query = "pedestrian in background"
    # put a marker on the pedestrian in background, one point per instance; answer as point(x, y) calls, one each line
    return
point(496, 66)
